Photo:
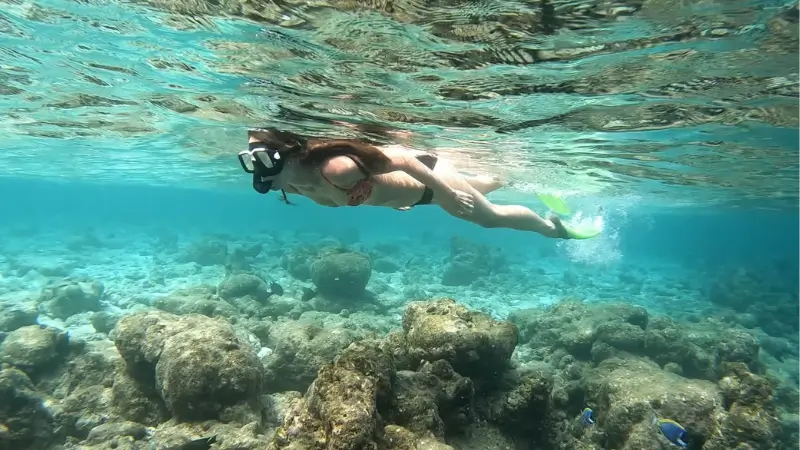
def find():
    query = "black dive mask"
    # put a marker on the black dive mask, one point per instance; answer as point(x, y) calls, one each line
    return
point(264, 163)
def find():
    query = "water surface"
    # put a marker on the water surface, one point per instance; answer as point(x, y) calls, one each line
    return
point(682, 102)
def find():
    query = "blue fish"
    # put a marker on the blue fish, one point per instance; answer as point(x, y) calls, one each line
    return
point(587, 417)
point(672, 431)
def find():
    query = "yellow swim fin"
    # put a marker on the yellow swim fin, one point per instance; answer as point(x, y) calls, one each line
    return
point(585, 230)
point(555, 204)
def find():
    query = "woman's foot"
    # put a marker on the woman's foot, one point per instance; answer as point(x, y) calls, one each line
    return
point(560, 231)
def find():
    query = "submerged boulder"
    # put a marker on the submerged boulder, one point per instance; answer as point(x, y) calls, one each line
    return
point(240, 285)
point(300, 348)
point(71, 296)
point(198, 376)
point(341, 275)
point(432, 400)
point(34, 348)
point(340, 409)
point(199, 366)
point(16, 313)
point(24, 421)
point(626, 394)
point(472, 342)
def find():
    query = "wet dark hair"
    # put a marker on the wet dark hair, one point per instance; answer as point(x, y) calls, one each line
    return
point(315, 151)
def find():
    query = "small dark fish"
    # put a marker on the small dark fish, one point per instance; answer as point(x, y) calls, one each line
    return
point(308, 294)
point(672, 431)
point(587, 417)
point(199, 444)
point(275, 288)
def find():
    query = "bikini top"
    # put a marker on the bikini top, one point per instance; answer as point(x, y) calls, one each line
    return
point(359, 192)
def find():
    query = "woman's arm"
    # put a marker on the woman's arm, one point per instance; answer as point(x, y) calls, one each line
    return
point(420, 172)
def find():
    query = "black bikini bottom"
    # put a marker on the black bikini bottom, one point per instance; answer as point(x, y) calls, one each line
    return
point(427, 196)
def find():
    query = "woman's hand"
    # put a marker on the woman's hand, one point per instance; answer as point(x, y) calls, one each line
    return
point(458, 202)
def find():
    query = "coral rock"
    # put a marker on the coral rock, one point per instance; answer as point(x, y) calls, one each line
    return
point(341, 275)
point(242, 285)
point(17, 313)
point(434, 399)
point(472, 342)
point(202, 370)
point(34, 348)
point(24, 421)
point(398, 438)
point(199, 365)
point(299, 349)
point(627, 393)
point(69, 297)
point(339, 411)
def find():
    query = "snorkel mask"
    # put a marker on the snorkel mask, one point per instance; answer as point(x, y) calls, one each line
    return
point(264, 163)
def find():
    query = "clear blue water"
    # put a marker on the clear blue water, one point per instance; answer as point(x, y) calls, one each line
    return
point(695, 248)
point(675, 121)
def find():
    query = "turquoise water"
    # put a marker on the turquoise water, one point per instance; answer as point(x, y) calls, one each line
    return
point(674, 121)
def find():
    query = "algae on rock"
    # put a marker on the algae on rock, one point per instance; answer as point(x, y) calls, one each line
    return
point(199, 366)
point(472, 342)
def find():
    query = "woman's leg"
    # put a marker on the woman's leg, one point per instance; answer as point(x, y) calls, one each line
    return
point(516, 217)
point(484, 183)
point(489, 215)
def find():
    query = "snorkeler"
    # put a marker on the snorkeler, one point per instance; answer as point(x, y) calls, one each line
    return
point(349, 172)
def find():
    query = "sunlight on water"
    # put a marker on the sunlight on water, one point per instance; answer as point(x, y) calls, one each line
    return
point(660, 97)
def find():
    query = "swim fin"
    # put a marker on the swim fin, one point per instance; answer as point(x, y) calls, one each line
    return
point(584, 230)
point(555, 204)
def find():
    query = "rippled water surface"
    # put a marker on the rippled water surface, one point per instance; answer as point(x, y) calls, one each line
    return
point(678, 101)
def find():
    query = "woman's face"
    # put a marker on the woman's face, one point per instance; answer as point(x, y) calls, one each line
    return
point(278, 181)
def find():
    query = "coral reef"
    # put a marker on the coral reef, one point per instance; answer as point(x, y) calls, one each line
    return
point(771, 299)
point(340, 410)
point(631, 367)
point(205, 252)
point(616, 330)
point(301, 347)
point(344, 347)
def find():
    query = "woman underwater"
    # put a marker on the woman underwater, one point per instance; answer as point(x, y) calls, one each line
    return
point(350, 172)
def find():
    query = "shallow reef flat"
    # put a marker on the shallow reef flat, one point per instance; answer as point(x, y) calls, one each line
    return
point(151, 340)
